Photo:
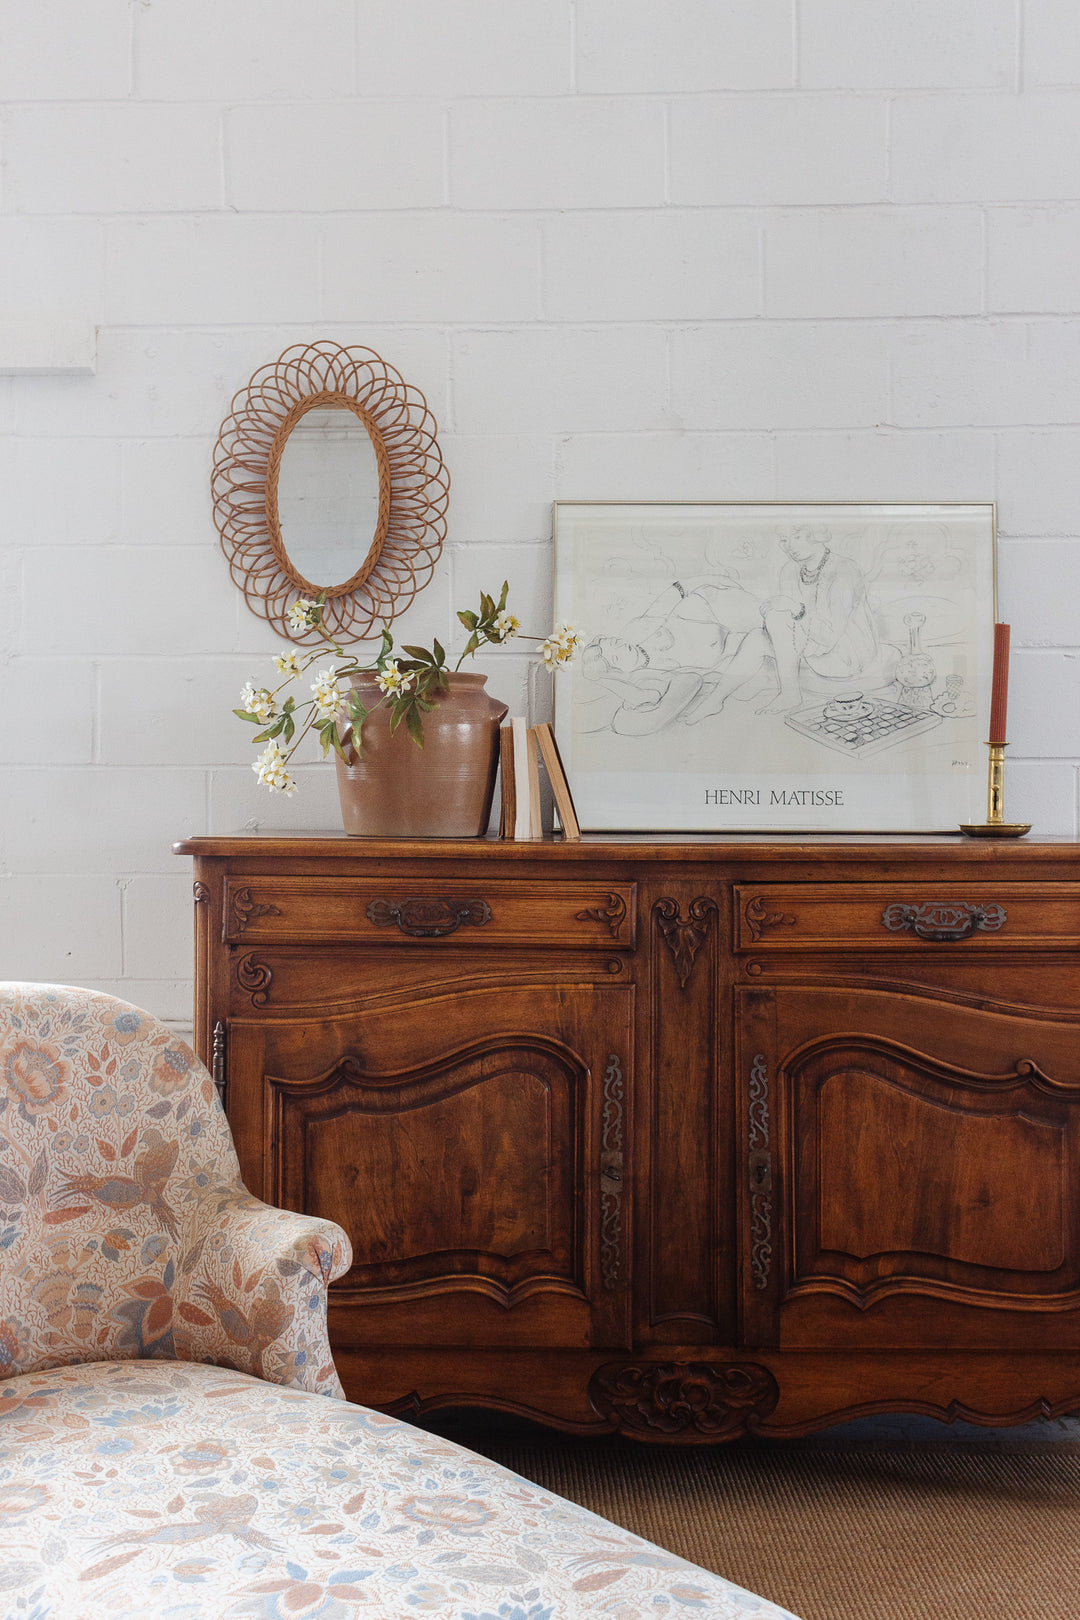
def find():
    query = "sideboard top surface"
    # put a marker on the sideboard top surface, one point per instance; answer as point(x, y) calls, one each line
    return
point(814, 849)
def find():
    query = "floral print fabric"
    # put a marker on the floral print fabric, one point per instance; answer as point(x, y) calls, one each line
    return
point(143, 1470)
point(194, 1493)
point(125, 1230)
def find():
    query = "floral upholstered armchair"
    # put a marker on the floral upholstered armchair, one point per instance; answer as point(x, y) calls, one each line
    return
point(164, 1449)
point(125, 1230)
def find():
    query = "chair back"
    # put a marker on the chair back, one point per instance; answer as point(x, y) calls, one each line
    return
point(111, 1137)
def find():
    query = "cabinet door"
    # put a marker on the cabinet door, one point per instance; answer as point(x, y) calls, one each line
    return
point(911, 1170)
point(471, 1144)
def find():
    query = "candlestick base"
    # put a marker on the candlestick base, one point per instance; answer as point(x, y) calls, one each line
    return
point(995, 825)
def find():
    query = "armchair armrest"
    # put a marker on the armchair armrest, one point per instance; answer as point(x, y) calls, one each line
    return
point(252, 1289)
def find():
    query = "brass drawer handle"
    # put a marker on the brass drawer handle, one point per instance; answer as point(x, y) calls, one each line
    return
point(428, 919)
point(944, 922)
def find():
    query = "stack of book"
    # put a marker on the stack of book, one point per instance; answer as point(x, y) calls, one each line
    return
point(519, 747)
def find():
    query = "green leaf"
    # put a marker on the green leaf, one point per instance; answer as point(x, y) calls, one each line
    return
point(246, 714)
point(502, 598)
point(440, 656)
point(290, 729)
point(415, 724)
point(469, 620)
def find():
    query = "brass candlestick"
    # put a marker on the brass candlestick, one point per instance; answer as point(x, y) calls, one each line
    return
point(995, 825)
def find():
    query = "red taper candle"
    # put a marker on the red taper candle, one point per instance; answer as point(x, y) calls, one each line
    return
point(999, 694)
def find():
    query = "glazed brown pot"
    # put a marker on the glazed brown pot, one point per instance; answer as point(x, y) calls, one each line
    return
point(443, 790)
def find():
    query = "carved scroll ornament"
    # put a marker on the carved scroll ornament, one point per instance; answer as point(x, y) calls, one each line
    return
point(254, 977)
point(944, 921)
point(676, 1398)
point(217, 1060)
point(611, 1174)
point(245, 910)
point(614, 914)
point(426, 918)
point(759, 917)
point(761, 1188)
point(684, 936)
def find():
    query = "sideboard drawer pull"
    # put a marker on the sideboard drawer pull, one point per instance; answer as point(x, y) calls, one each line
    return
point(428, 918)
point(943, 921)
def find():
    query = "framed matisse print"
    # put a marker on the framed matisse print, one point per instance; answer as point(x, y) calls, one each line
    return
point(776, 667)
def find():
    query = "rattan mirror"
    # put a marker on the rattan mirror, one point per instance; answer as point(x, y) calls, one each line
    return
point(363, 494)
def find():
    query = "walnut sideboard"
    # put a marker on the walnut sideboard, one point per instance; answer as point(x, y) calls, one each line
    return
point(680, 1137)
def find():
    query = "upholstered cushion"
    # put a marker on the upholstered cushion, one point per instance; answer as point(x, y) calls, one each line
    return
point(125, 1230)
point(195, 1493)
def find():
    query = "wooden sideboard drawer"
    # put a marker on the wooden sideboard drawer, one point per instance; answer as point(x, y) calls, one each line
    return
point(397, 910)
point(858, 917)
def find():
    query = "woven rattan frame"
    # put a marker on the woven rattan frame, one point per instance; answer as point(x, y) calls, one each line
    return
point(414, 487)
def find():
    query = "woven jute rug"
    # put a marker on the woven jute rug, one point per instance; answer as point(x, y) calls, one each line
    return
point(832, 1531)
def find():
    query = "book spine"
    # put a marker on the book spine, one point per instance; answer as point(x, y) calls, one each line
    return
point(522, 824)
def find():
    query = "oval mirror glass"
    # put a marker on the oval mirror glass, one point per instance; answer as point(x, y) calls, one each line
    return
point(328, 495)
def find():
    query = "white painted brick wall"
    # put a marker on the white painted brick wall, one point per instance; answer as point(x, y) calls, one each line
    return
point(116, 158)
point(828, 263)
point(795, 249)
point(559, 152)
point(908, 44)
point(683, 46)
point(792, 148)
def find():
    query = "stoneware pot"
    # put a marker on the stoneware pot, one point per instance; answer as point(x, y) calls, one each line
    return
point(443, 790)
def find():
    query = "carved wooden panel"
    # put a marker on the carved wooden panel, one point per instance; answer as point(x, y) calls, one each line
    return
point(684, 935)
point(982, 913)
point(972, 1213)
point(694, 1400)
point(467, 1153)
point(690, 1245)
point(914, 1175)
point(371, 910)
point(475, 1145)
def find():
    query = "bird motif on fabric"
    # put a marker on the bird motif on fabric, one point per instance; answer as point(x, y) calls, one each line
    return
point(266, 1320)
point(214, 1515)
point(152, 1170)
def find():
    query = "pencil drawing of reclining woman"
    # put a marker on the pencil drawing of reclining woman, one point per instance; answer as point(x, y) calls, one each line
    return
point(697, 645)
